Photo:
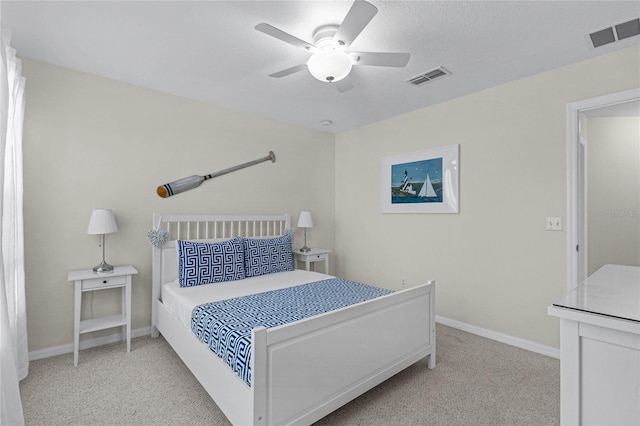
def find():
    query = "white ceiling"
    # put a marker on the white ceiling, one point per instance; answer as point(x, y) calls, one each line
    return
point(209, 50)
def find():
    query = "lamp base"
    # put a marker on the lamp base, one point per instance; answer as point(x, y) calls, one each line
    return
point(305, 249)
point(103, 268)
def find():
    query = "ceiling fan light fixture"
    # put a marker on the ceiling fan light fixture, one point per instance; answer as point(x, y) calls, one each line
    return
point(329, 65)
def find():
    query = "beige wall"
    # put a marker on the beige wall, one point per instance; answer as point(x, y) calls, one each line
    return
point(91, 142)
point(613, 188)
point(495, 265)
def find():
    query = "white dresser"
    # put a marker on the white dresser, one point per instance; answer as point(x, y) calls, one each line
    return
point(600, 349)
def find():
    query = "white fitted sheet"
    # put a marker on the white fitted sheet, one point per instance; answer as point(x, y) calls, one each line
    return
point(181, 300)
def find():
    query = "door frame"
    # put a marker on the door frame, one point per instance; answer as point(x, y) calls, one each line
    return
point(576, 223)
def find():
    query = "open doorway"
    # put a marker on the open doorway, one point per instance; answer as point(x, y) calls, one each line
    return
point(603, 178)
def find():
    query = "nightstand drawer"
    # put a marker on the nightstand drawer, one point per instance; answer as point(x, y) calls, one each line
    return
point(314, 257)
point(95, 283)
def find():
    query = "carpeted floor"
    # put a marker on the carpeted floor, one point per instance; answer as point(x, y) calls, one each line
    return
point(476, 381)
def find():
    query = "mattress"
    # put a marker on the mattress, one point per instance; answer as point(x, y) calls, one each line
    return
point(181, 301)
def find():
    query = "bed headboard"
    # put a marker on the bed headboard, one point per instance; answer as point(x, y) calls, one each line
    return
point(204, 227)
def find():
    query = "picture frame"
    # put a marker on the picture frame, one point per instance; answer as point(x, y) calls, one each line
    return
point(421, 182)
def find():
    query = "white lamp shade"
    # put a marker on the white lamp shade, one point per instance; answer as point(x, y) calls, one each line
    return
point(305, 220)
point(102, 222)
point(329, 65)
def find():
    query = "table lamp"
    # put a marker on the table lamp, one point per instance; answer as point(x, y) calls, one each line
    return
point(305, 221)
point(102, 222)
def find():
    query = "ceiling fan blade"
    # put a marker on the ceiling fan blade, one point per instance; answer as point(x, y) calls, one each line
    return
point(381, 59)
point(343, 85)
point(360, 14)
point(286, 37)
point(289, 71)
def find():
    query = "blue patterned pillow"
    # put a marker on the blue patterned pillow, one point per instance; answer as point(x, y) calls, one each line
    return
point(206, 263)
point(268, 255)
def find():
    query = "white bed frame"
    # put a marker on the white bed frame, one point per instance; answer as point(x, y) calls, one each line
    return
point(304, 370)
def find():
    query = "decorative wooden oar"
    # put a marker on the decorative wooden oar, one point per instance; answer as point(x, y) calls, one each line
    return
point(185, 184)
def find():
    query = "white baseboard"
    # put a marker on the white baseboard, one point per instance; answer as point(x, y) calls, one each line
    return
point(86, 344)
point(503, 338)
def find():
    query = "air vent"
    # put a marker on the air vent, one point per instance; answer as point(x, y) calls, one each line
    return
point(615, 33)
point(428, 76)
point(628, 29)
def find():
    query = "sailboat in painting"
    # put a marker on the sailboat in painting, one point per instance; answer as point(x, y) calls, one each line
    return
point(427, 190)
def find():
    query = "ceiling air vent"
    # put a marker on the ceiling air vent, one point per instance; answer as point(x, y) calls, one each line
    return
point(428, 76)
point(615, 33)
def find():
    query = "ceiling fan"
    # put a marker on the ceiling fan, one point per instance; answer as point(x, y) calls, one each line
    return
point(331, 59)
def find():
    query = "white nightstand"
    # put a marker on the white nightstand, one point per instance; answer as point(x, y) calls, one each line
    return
point(315, 255)
point(87, 280)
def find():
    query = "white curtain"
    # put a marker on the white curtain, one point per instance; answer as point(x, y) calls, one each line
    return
point(14, 354)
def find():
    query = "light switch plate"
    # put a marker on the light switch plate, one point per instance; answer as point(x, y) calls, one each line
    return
point(553, 223)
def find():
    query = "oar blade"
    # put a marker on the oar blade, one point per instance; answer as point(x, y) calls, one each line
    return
point(180, 185)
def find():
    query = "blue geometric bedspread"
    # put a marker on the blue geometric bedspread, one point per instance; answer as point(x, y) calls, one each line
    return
point(225, 326)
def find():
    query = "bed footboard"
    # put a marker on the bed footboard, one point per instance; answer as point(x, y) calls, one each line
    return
point(305, 370)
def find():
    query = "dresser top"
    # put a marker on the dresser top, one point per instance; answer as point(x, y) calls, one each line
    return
point(613, 290)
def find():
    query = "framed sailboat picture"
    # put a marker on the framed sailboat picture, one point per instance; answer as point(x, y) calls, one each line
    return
point(421, 182)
